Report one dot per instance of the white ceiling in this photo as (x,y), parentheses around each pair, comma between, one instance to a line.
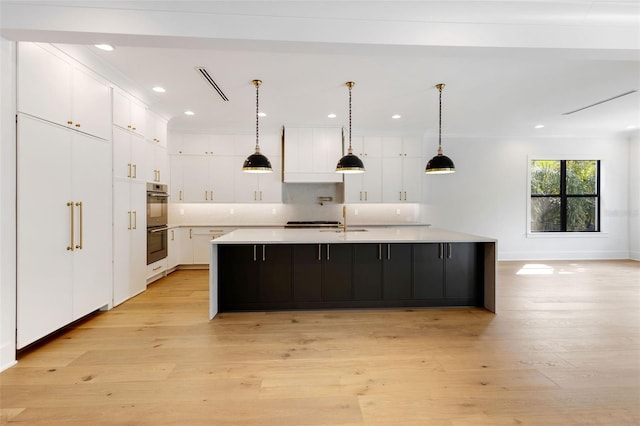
(507,65)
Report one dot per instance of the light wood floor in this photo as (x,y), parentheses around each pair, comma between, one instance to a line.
(564,349)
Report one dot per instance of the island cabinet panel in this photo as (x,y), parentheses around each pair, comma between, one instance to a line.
(448,273)
(238,276)
(367,272)
(275,273)
(307,273)
(336,276)
(397,280)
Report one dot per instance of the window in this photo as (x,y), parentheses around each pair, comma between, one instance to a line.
(565,196)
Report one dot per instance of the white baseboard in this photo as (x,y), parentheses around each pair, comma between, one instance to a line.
(7,356)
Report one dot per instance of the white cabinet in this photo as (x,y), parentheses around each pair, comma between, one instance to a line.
(129,239)
(402,169)
(202,144)
(128,112)
(311,154)
(259,187)
(185,246)
(157,160)
(173,247)
(208,178)
(55,88)
(195,244)
(176,185)
(156,129)
(129,155)
(64,248)
(365,187)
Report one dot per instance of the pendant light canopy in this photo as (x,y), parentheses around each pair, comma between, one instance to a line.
(350,163)
(257,162)
(440,164)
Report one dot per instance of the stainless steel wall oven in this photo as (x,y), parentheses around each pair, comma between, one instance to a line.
(157,217)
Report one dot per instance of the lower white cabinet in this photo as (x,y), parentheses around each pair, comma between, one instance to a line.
(130,239)
(64,252)
(156,268)
(173,247)
(195,243)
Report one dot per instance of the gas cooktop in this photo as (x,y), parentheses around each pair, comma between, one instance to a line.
(312,224)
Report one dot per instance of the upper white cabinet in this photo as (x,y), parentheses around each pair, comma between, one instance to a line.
(403,169)
(128,112)
(55,88)
(259,187)
(64,251)
(129,155)
(156,129)
(365,187)
(311,154)
(158,163)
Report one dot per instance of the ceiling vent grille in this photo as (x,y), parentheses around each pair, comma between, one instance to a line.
(601,102)
(205,74)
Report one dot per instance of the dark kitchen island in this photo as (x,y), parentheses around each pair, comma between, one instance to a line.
(390,267)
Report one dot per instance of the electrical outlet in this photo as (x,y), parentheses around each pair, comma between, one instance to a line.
(355,212)
(232,211)
(181,212)
(398,211)
(273,211)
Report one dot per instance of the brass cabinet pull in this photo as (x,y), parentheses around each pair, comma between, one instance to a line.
(129,175)
(129,220)
(366,195)
(255,196)
(260,195)
(71,236)
(206,195)
(157,267)
(405,195)
(135,171)
(135,219)
(190,233)
(180,195)
(360,195)
(400,195)
(211,196)
(77,124)
(129,126)
(69,122)
(173,236)
(79,205)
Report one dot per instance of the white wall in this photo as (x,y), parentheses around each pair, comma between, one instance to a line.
(8,204)
(634,195)
(488,196)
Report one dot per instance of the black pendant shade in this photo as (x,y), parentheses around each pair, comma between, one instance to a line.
(257,162)
(350,163)
(440,164)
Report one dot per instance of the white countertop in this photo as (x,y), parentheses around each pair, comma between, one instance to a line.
(400,234)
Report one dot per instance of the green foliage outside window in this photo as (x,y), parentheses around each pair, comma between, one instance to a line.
(565,195)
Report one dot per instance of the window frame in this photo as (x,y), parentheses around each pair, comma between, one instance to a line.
(564,197)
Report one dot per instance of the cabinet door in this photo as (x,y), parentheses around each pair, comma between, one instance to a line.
(44,258)
(46,96)
(275,273)
(173,247)
(428,271)
(307,272)
(246,186)
(270,184)
(367,271)
(412,176)
(461,272)
(354,186)
(201,246)
(161,162)
(138,238)
(195,174)
(392,179)
(176,186)
(396,271)
(138,117)
(91,104)
(122,224)
(186,246)
(372,180)
(222,171)
(238,275)
(337,284)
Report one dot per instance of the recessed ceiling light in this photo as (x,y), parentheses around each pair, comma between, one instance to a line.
(396,116)
(538,126)
(631,127)
(189,113)
(158,89)
(106,47)
(262,114)
(331,115)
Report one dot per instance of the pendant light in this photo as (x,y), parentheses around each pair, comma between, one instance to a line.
(440,164)
(350,163)
(256,162)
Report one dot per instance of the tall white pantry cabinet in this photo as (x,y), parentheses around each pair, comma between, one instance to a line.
(64,192)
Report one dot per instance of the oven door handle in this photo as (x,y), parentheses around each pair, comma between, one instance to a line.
(158,194)
(158,230)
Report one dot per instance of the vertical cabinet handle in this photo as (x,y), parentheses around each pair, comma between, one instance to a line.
(388,251)
(254,252)
(180,197)
(264,257)
(173,237)
(440,254)
(129,220)
(400,195)
(327,251)
(366,195)
(135,171)
(135,219)
(129,165)
(405,195)
(206,195)
(71,236)
(260,195)
(360,195)
(379,251)
(79,205)
(319,251)
(448,250)
(190,233)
